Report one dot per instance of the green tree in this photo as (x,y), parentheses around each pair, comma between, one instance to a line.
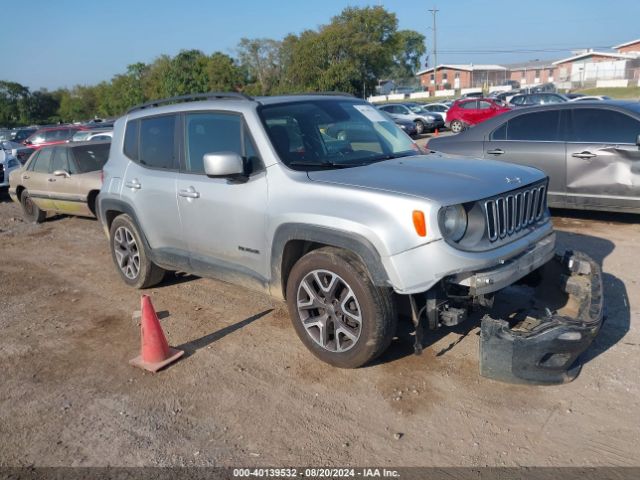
(14,103)
(224,74)
(409,48)
(188,73)
(261,59)
(154,84)
(350,54)
(43,108)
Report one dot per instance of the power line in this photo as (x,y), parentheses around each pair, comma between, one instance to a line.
(520,50)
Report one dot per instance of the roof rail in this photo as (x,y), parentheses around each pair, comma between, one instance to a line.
(192,97)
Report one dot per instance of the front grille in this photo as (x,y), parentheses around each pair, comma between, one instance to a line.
(509,213)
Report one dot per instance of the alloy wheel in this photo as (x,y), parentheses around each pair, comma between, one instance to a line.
(329,310)
(126,252)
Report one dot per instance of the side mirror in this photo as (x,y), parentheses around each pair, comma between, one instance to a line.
(223,164)
(61,173)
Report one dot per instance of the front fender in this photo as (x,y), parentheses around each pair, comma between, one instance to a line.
(350,241)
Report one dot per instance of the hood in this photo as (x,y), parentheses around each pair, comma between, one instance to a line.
(444,179)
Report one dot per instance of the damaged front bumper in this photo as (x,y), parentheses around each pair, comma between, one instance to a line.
(540,343)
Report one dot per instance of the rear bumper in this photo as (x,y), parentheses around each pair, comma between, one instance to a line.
(544,348)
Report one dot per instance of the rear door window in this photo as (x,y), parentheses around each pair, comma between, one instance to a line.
(157,142)
(599,125)
(43,162)
(535,126)
(59,160)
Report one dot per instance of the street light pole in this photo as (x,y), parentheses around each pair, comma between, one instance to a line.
(433,11)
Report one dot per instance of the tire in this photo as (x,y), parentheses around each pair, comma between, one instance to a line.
(130,255)
(347,293)
(30,211)
(420,127)
(456,126)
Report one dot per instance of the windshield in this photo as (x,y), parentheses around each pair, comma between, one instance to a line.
(333,133)
(81,135)
(417,109)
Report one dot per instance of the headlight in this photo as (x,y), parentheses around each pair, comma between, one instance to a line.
(431,118)
(453,220)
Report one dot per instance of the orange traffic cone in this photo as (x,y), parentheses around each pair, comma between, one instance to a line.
(155,352)
(435,132)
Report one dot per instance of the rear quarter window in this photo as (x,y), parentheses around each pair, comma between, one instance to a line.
(131,139)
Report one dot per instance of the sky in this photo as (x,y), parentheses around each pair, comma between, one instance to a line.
(63,43)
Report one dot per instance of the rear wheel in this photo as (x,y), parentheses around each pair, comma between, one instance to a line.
(419,127)
(131,256)
(336,310)
(457,126)
(30,211)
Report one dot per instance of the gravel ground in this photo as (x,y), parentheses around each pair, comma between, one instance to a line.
(248,393)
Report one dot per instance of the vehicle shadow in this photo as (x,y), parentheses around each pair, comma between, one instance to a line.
(176,278)
(4,195)
(191,347)
(616,310)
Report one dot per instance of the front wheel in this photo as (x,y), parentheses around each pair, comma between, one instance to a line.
(30,211)
(337,311)
(420,127)
(131,256)
(457,126)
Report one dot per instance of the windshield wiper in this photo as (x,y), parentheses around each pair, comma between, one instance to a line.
(323,164)
(391,156)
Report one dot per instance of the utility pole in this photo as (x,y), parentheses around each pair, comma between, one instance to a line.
(433,11)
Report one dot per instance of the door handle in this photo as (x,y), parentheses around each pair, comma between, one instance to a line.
(135,184)
(26,177)
(497,151)
(189,193)
(584,155)
(51,179)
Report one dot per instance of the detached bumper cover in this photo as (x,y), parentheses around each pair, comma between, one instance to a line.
(543,349)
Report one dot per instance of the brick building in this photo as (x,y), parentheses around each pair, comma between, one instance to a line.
(632,47)
(532,73)
(588,67)
(457,77)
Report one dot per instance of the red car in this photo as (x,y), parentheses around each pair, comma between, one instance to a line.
(469,112)
(52,136)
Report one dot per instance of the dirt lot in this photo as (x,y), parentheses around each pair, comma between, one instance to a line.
(248,392)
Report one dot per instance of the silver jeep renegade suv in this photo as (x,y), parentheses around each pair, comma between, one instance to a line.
(321,201)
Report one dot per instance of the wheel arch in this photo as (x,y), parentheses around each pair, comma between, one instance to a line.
(19,190)
(92,197)
(292,241)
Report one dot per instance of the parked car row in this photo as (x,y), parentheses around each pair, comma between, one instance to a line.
(425,119)
(327,205)
(22,142)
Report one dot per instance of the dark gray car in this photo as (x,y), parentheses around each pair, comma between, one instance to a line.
(589,151)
